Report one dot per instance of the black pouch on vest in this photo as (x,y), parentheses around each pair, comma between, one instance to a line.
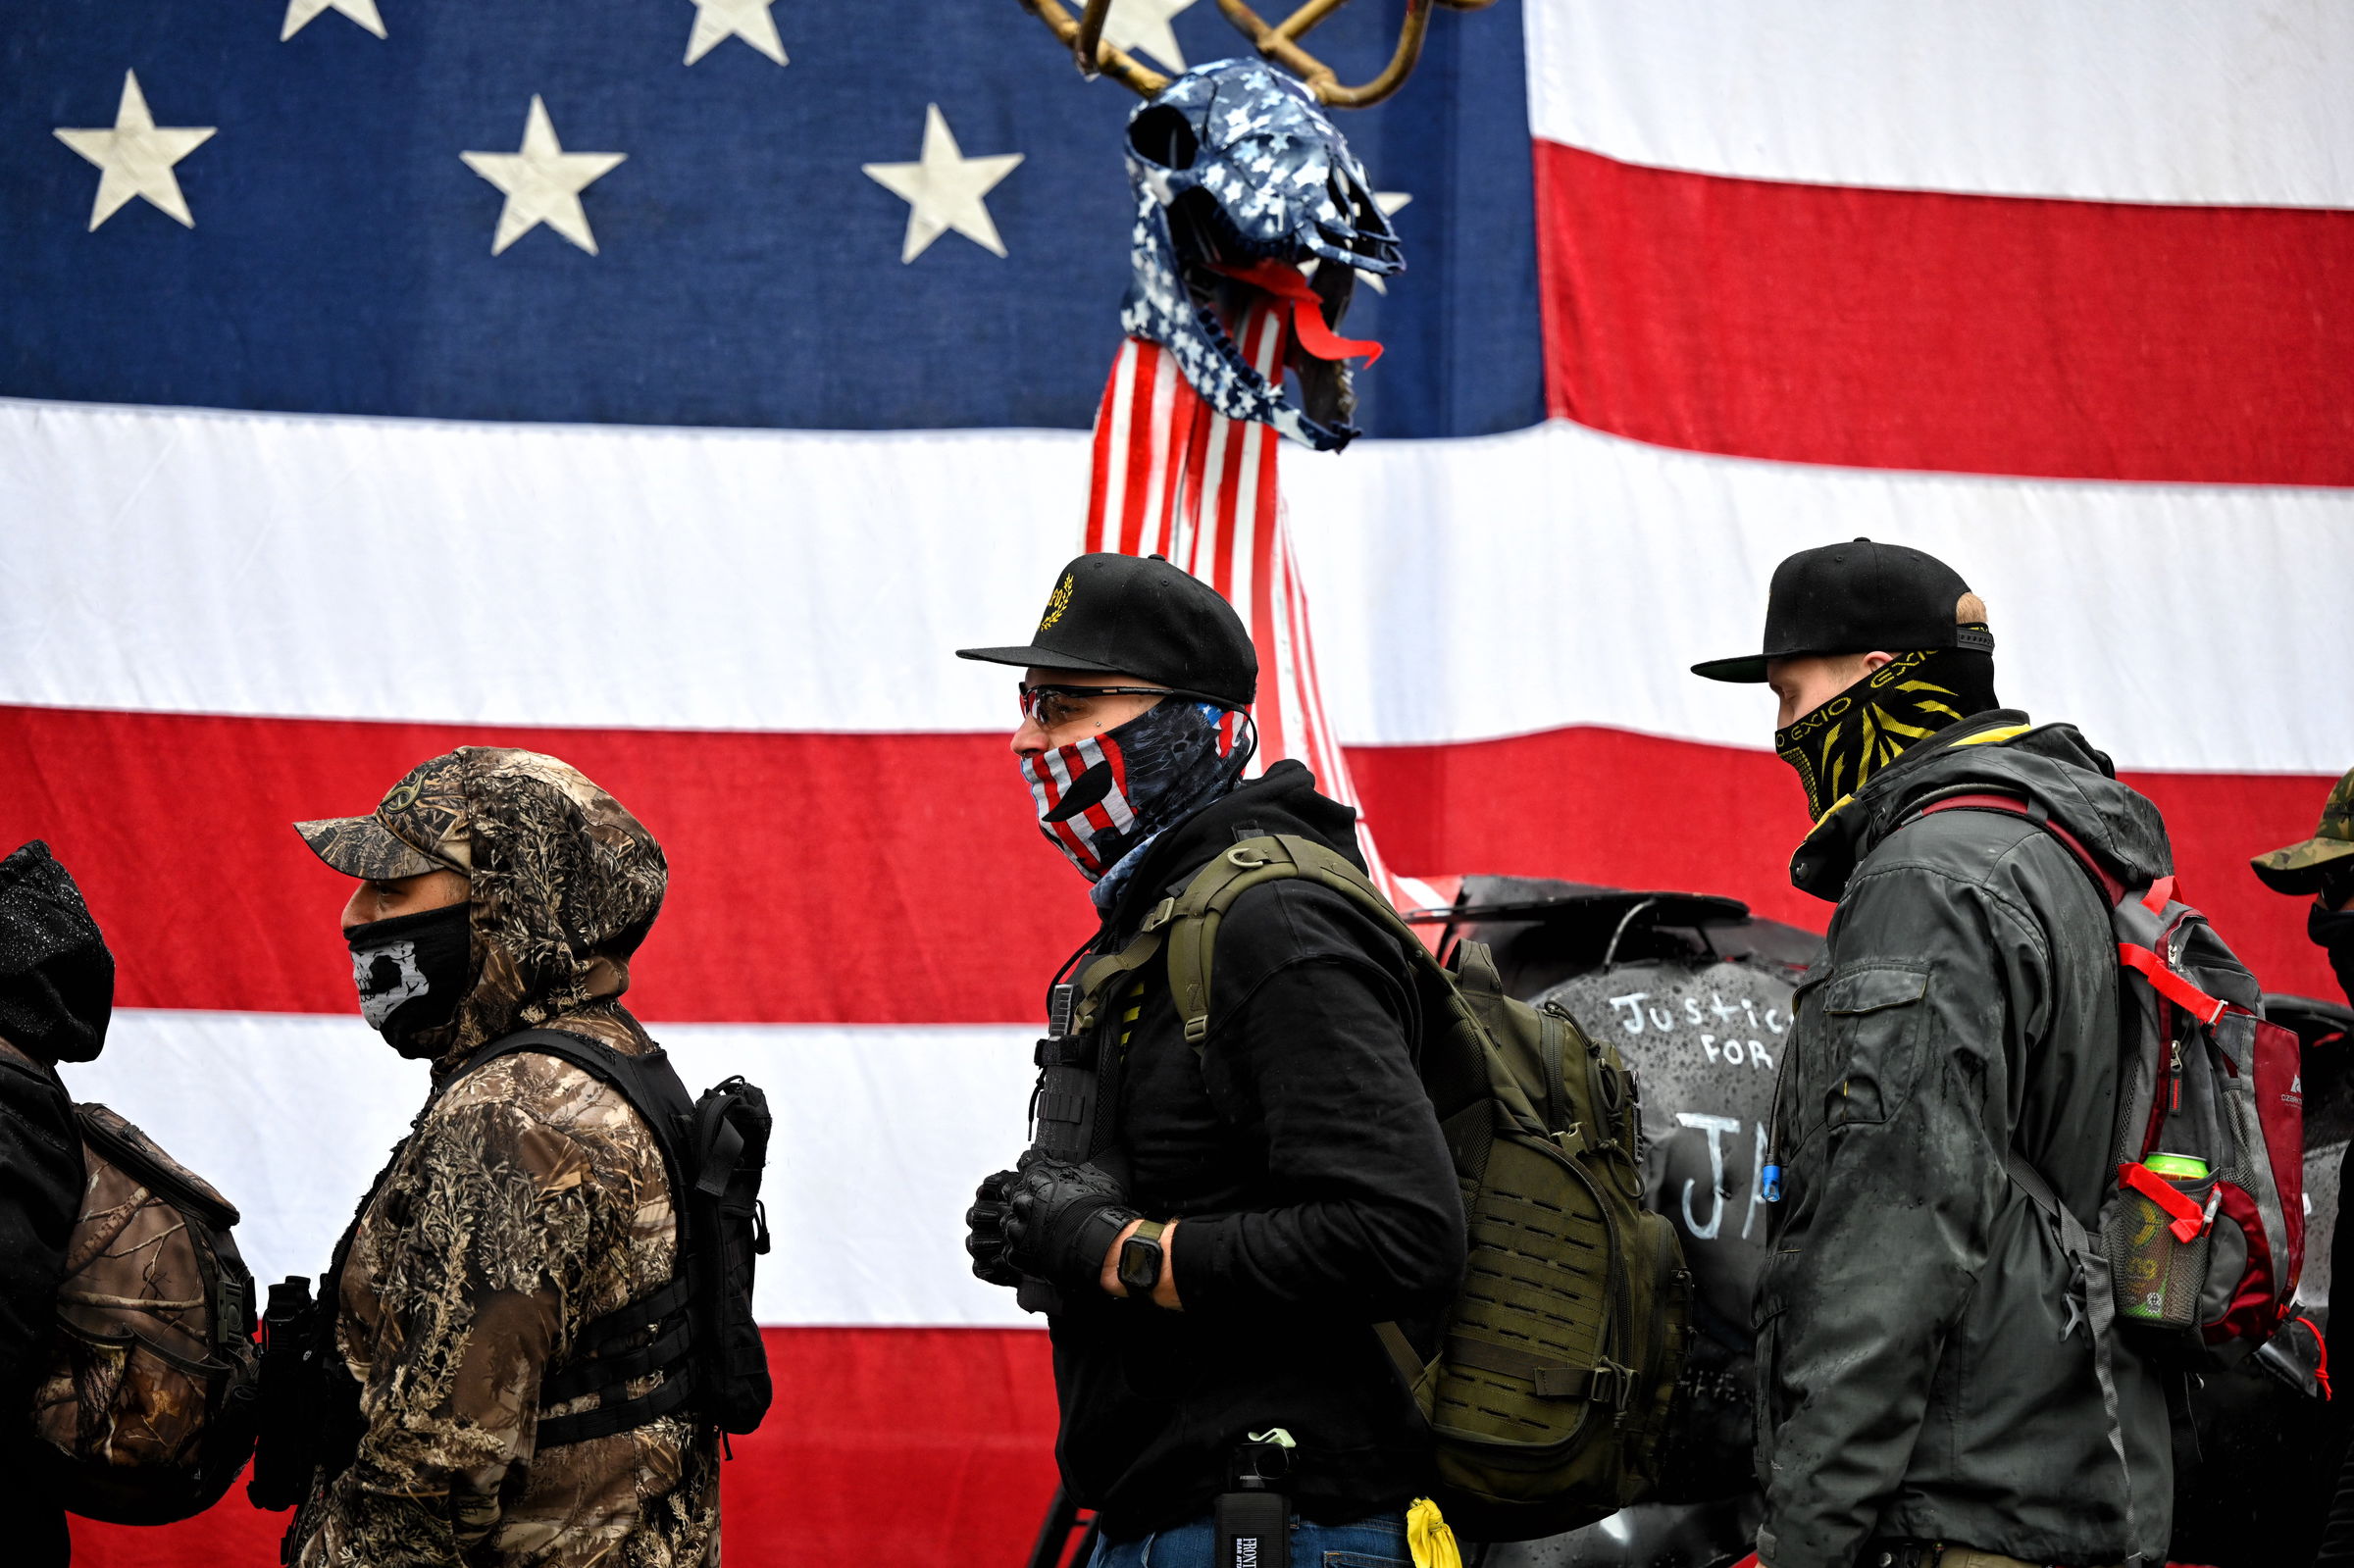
(284,1456)
(1253,1529)
(1254,1520)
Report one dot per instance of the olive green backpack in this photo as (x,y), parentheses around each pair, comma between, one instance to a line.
(1557,1357)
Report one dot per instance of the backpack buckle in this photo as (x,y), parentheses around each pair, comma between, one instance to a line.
(1162,913)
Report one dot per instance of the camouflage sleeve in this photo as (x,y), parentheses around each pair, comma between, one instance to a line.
(489,1230)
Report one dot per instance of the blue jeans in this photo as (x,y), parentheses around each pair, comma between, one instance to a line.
(1377,1541)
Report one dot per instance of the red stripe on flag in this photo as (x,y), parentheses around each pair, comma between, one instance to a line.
(852,878)
(900,879)
(884,1445)
(1906,329)
(1635,811)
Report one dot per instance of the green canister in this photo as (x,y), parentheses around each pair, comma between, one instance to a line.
(2160,1275)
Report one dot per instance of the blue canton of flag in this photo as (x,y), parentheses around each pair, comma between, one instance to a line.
(678,212)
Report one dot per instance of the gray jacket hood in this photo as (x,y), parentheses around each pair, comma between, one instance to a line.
(2002,752)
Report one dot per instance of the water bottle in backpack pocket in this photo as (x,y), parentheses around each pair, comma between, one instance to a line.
(2203,1230)
(2159,1261)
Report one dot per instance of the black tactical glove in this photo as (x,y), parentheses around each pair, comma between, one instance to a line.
(1061,1220)
(985,1231)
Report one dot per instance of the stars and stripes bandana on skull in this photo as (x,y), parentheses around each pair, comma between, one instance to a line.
(1101,798)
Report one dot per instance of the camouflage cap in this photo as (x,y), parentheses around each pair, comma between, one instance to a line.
(420,826)
(2299,867)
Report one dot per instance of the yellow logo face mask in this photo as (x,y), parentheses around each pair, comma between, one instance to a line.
(1840,745)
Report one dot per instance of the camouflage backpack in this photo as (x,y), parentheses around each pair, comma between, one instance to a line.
(146,1410)
(1559,1356)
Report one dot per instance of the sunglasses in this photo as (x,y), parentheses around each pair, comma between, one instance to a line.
(1050,706)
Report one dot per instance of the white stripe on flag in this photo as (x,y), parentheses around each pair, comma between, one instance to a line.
(2202,101)
(692,578)
(882,1132)
(1106,516)
(1501,586)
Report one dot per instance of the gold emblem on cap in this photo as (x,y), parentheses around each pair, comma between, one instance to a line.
(402,797)
(1057,602)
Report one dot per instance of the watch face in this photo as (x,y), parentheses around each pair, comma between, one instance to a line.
(1139,1263)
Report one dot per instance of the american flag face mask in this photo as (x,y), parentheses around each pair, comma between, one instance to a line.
(1099,798)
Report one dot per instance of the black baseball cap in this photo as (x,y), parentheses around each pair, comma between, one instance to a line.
(1856,597)
(1138,615)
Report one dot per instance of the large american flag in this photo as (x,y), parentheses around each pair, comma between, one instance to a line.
(671,385)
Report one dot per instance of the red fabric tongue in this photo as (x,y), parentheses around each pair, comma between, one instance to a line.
(1306,311)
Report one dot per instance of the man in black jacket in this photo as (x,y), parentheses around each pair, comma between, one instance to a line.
(57,995)
(1250,1204)
(1929,1387)
(2322,867)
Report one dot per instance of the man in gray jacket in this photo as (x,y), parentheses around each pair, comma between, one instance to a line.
(1927,1390)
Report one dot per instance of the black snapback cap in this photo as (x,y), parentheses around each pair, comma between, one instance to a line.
(1138,615)
(1856,597)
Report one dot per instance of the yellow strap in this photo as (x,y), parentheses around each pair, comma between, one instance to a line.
(1428,1539)
(1996,736)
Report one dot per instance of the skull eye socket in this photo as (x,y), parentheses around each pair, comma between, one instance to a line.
(1160,134)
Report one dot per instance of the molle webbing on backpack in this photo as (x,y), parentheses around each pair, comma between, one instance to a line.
(1558,1359)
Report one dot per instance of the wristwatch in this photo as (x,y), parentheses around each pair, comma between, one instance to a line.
(1141,1257)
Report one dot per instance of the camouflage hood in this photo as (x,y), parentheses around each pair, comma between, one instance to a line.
(565,884)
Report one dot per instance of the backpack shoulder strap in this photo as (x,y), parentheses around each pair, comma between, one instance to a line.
(1103,974)
(649,1082)
(607,1355)
(1195,914)
(2113,891)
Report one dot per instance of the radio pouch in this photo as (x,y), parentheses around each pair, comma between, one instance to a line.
(1253,1518)
(1254,1528)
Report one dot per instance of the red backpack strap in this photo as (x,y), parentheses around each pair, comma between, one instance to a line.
(2170,986)
(2014,806)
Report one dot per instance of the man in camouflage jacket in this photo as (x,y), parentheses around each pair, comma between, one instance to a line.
(530,1200)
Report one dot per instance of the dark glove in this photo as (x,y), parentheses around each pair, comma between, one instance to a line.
(1061,1220)
(985,1231)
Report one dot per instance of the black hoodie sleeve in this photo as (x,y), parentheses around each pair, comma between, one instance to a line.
(1310,1061)
(40,1193)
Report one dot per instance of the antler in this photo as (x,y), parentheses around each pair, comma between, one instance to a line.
(1279,43)
(1085,38)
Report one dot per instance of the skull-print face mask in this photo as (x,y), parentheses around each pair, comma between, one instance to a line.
(411,970)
